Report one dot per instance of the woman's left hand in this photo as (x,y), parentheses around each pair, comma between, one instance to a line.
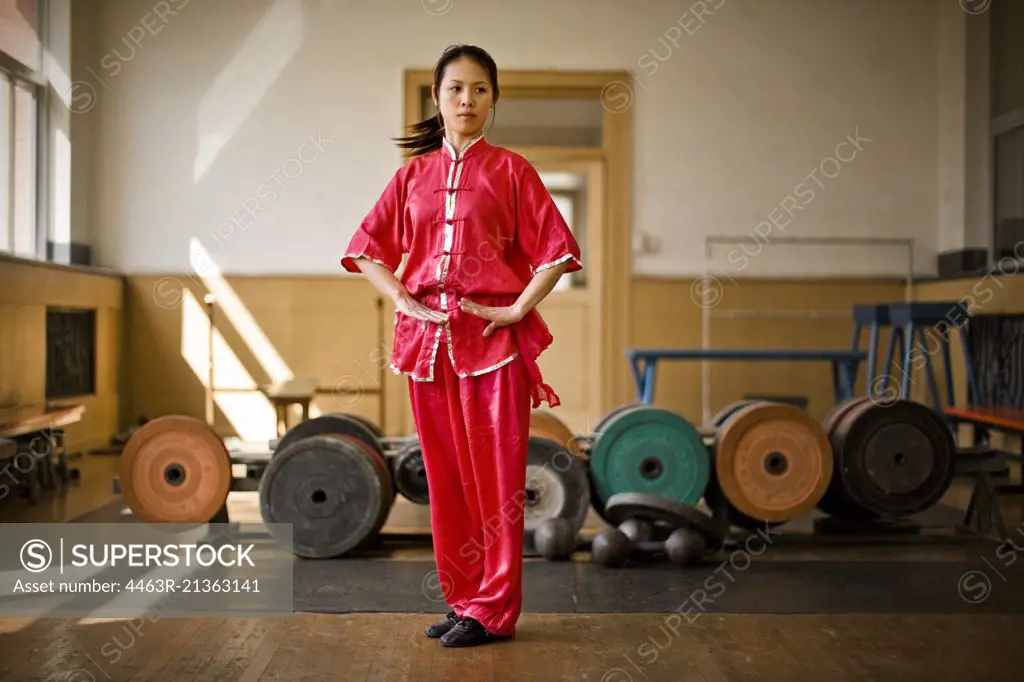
(499,317)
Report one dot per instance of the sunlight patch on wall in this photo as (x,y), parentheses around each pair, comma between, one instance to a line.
(246,79)
(246,408)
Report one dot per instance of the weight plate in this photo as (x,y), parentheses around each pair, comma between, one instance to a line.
(374,429)
(544,424)
(716,499)
(897,457)
(387,482)
(557,486)
(731,409)
(175,469)
(330,423)
(650,450)
(614,413)
(839,411)
(773,461)
(330,492)
(661,510)
(410,474)
(835,502)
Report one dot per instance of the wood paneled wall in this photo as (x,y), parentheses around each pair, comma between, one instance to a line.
(26,291)
(267,328)
(331,328)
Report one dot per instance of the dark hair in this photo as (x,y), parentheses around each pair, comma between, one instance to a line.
(426,136)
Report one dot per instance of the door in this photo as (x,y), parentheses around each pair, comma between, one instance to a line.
(573,310)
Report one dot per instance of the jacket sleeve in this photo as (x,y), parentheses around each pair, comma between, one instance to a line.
(541,232)
(379,236)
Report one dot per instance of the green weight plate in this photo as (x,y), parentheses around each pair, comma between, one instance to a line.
(647,449)
(614,413)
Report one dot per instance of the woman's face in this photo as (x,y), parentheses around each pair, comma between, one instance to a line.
(465,98)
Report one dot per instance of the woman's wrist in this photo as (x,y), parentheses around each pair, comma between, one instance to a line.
(521,309)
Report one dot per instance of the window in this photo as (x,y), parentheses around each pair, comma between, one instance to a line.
(1009,194)
(1007,126)
(20,94)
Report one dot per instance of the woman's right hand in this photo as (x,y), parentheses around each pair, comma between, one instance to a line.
(406,304)
(385,282)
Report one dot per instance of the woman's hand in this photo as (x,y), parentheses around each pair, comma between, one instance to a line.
(499,317)
(406,304)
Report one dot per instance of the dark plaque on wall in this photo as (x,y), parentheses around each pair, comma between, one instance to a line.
(70,352)
(997,351)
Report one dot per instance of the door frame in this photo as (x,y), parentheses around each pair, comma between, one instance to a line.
(592,168)
(615,151)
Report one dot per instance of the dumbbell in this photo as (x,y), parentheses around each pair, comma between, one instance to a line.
(613,547)
(555,539)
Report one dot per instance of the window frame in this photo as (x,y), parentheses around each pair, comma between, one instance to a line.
(35,81)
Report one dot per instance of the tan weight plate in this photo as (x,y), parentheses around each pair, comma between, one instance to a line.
(175,469)
(773,461)
(545,425)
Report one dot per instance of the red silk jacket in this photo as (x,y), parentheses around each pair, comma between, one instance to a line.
(479,226)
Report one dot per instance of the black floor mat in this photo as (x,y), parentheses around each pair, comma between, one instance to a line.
(766,587)
(728,583)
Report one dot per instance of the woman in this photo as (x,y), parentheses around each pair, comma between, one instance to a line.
(485,245)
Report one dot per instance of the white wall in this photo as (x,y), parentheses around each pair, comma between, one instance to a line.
(212,103)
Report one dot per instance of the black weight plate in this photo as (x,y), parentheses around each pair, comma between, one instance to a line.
(836,502)
(557,486)
(898,458)
(386,477)
(330,423)
(330,492)
(410,474)
(374,429)
(657,509)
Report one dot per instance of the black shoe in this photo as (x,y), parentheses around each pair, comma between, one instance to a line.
(469,632)
(442,627)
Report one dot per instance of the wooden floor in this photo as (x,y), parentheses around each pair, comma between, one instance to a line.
(604,648)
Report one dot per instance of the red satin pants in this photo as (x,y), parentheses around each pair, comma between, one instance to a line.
(474,433)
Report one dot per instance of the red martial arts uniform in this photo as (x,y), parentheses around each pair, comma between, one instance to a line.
(476,225)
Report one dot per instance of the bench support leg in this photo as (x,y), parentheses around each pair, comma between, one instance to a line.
(984,508)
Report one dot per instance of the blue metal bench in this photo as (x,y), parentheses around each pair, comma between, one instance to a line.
(644,364)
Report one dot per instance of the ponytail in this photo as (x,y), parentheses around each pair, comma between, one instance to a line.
(424,137)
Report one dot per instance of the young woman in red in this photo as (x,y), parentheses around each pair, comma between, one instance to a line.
(485,244)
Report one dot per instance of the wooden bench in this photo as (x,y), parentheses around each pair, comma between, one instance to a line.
(47,464)
(995,418)
(983,419)
(298,391)
(987,460)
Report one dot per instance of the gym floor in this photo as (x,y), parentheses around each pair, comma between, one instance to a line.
(809,617)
